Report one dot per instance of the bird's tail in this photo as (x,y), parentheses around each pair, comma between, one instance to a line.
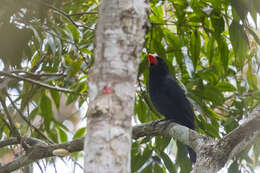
(192,154)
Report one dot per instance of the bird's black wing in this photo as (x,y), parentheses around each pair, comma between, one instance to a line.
(176,103)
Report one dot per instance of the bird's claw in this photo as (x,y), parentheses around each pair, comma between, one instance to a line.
(154,123)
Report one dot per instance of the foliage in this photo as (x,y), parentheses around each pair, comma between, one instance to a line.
(211,47)
(51,43)
(212,50)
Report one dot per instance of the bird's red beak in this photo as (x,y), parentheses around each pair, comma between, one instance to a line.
(152,59)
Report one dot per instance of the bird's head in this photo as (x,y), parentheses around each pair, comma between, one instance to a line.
(152,59)
(157,64)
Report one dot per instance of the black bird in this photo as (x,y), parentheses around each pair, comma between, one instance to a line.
(168,97)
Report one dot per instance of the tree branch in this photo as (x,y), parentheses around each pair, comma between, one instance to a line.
(168,128)
(212,155)
(13,141)
(3,73)
(42,150)
(38,150)
(238,139)
(37,75)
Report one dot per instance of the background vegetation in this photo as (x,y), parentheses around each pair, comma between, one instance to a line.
(211,46)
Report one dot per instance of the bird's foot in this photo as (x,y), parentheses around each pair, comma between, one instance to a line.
(154,123)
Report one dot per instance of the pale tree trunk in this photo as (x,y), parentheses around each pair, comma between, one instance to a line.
(119,39)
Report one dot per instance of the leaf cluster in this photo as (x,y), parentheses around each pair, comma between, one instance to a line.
(211,48)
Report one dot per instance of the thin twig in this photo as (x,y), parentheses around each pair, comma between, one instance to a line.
(67,16)
(70,42)
(38,164)
(13,141)
(3,73)
(83,13)
(27,121)
(5,122)
(13,129)
(36,74)
(35,67)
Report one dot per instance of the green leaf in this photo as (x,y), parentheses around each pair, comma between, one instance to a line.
(27,94)
(157,15)
(35,58)
(168,162)
(241,8)
(211,48)
(224,52)
(141,109)
(218,22)
(195,47)
(234,168)
(225,86)
(252,80)
(182,158)
(36,34)
(72,98)
(239,41)
(158,169)
(143,66)
(34,112)
(148,169)
(51,43)
(209,75)
(213,115)
(46,109)
(75,67)
(162,142)
(255,33)
(75,33)
(63,136)
(207,127)
(56,98)
(172,39)
(79,133)
(138,159)
(53,135)
(212,93)
(59,45)
(156,41)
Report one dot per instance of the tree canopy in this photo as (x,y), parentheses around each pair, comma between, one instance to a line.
(211,47)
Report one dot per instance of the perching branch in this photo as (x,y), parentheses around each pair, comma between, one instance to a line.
(171,129)
(43,150)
